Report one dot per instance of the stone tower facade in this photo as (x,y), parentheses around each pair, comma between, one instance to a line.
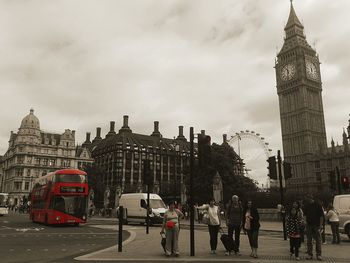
(299,90)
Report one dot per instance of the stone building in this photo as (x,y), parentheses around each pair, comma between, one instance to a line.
(328,160)
(299,89)
(121,156)
(32,153)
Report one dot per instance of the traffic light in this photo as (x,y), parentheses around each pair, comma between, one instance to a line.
(332,180)
(147,175)
(204,149)
(287,170)
(345,182)
(272,167)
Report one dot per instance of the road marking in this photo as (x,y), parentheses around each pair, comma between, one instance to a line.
(28,249)
(46,250)
(63,249)
(82,249)
(12,249)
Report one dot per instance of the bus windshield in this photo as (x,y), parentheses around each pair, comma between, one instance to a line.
(70,178)
(156,203)
(3,200)
(72,205)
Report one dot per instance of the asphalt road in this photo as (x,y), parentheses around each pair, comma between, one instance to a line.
(24,241)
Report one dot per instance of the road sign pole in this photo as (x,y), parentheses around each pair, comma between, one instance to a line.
(192,252)
(120,232)
(283,210)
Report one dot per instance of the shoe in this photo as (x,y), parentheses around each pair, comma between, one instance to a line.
(324,243)
(297,258)
(213,252)
(238,253)
(309,257)
(227,253)
(319,258)
(255,256)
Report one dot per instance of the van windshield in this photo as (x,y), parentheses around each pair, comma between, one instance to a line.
(154,203)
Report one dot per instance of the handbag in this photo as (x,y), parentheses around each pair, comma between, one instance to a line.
(163,241)
(206,219)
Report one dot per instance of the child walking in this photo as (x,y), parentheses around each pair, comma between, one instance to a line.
(294,225)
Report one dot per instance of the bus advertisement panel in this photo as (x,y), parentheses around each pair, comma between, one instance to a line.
(60,198)
(4,210)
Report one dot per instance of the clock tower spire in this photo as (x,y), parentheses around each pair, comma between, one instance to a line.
(299,90)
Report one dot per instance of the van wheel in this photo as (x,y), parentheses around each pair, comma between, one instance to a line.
(347,230)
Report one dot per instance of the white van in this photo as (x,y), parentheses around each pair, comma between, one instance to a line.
(135,208)
(342,204)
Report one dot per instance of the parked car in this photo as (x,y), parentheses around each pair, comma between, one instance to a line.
(342,204)
(135,208)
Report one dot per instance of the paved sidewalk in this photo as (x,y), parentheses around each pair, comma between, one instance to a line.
(146,248)
(273,226)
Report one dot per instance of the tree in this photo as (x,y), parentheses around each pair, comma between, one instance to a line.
(95,176)
(223,160)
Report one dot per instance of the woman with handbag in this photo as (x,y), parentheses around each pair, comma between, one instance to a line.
(251,226)
(172,228)
(212,219)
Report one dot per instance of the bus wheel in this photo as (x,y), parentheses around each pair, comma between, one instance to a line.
(46,220)
(76,224)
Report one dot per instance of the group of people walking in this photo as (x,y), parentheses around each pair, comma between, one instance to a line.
(309,220)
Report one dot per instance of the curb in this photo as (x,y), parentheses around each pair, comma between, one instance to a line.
(91,256)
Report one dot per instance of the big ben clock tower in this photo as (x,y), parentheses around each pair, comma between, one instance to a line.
(299,90)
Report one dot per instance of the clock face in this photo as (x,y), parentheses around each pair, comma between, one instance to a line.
(311,70)
(288,72)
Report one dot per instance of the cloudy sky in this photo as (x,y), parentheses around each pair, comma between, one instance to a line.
(202,63)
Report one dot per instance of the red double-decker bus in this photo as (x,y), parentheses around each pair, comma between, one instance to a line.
(60,197)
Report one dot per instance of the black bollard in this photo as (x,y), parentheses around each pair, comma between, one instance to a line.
(120,232)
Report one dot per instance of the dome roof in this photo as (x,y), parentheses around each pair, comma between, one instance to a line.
(30,121)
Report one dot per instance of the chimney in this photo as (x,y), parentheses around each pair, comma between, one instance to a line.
(156,129)
(98,136)
(73,133)
(98,132)
(224,138)
(112,126)
(125,127)
(202,132)
(87,140)
(111,129)
(181,134)
(88,137)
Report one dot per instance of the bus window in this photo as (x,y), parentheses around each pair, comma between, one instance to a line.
(70,178)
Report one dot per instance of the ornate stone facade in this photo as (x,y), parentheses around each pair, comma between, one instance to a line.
(33,153)
(328,160)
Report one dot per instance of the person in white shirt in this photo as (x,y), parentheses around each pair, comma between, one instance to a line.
(213,224)
(333,217)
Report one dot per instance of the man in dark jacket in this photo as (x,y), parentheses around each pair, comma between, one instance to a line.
(314,221)
(234,221)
